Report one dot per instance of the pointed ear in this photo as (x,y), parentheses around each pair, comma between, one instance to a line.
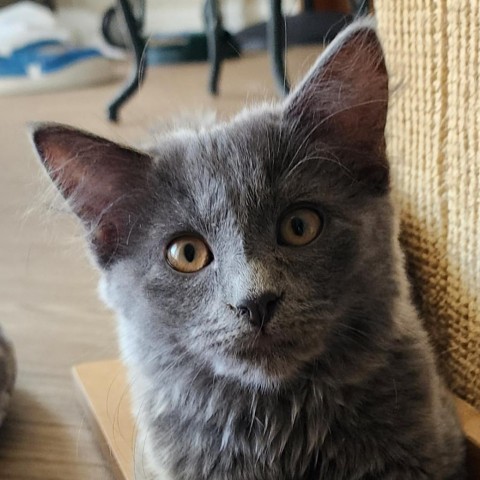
(343,100)
(104,183)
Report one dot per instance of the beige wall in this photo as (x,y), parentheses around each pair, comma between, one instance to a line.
(168,15)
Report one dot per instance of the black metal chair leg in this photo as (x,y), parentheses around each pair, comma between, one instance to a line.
(214,30)
(137,44)
(275,42)
(308,5)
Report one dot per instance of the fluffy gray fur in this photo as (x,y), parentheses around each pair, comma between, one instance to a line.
(341,384)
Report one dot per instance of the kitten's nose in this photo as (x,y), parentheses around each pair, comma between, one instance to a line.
(259,310)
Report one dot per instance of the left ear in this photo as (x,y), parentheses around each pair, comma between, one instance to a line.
(343,100)
(105,184)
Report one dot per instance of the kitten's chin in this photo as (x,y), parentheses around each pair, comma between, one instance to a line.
(263,374)
(263,361)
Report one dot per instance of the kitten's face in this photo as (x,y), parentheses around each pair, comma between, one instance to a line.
(240,192)
(244,249)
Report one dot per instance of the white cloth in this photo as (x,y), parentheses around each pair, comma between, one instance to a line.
(27,22)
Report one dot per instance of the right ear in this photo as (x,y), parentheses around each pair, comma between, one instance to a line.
(105,184)
(344,100)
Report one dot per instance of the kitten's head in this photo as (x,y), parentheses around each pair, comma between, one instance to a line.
(257,246)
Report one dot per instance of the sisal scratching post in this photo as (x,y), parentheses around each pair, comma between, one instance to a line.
(432,50)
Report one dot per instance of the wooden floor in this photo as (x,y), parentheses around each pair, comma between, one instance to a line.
(48,302)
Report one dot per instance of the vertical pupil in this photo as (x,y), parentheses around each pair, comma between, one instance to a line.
(189,252)
(298,226)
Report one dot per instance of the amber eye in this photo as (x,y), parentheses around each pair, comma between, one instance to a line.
(188,254)
(300,227)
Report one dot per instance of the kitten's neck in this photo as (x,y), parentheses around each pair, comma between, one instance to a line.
(297,418)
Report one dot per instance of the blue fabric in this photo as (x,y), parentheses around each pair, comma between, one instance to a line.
(48,55)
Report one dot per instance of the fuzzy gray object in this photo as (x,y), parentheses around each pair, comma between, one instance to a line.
(341,383)
(8,371)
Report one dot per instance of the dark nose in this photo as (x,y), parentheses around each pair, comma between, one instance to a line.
(259,310)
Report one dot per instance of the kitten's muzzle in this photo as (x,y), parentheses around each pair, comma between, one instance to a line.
(258,311)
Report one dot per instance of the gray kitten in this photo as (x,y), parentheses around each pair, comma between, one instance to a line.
(263,307)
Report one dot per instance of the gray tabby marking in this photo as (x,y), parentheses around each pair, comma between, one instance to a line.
(262,301)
